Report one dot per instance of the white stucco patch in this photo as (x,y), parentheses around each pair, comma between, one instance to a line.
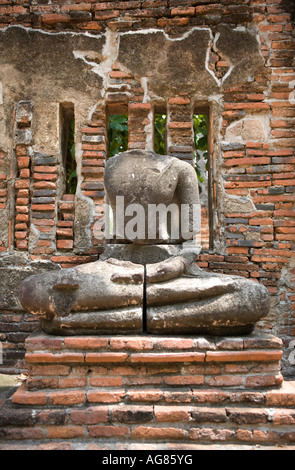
(254,128)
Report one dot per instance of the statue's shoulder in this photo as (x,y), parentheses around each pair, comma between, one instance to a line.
(143,160)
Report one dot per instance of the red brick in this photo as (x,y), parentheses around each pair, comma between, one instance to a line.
(247,416)
(43,342)
(184,380)
(23,183)
(178,100)
(170,414)
(49,370)
(64,432)
(183,11)
(85,342)
(38,384)
(180,125)
(90,415)
(153,433)
(241,356)
(108,431)
(208,414)
(149,396)
(105,357)
(168,357)
(53,18)
(224,381)
(45,169)
(281,417)
(20,433)
(43,207)
(72,382)
(44,185)
(20,235)
(260,381)
(105,381)
(211,434)
(66,397)
(23,162)
(131,414)
(54,358)
(174,343)
(98,396)
(280,398)
(140,106)
(23,397)
(65,244)
(131,343)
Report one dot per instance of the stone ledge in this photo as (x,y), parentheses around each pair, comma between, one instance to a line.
(256,340)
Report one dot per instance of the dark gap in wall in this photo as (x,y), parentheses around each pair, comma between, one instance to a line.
(160,134)
(67,124)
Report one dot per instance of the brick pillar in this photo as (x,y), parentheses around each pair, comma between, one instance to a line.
(94,153)
(44,207)
(139,126)
(22,151)
(180,141)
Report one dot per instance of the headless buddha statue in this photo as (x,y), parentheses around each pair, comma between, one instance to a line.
(147,279)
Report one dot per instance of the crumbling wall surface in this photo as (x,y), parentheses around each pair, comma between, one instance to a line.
(234,59)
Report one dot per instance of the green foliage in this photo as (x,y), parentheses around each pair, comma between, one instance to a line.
(160,134)
(117,134)
(201,142)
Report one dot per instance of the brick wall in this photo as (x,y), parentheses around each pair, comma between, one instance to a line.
(251,147)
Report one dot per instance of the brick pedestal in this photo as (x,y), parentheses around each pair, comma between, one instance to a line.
(135,392)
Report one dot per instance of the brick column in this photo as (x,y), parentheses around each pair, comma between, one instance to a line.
(22,151)
(180,137)
(138,125)
(94,153)
(44,208)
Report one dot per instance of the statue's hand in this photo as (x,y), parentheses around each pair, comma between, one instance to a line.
(165,270)
(127,272)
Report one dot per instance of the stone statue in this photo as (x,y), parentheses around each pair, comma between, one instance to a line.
(147,279)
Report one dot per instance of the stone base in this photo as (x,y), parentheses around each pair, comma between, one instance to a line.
(135,392)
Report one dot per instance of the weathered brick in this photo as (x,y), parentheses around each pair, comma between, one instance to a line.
(108,431)
(98,396)
(169,414)
(64,432)
(90,415)
(66,397)
(154,433)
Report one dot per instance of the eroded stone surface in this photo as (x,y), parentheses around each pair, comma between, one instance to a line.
(113,294)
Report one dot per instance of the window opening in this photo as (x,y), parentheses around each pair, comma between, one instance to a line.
(117,142)
(117,134)
(160,132)
(67,114)
(201,163)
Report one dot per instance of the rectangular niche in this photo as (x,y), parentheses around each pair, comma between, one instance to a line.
(117,129)
(67,136)
(202,164)
(160,131)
